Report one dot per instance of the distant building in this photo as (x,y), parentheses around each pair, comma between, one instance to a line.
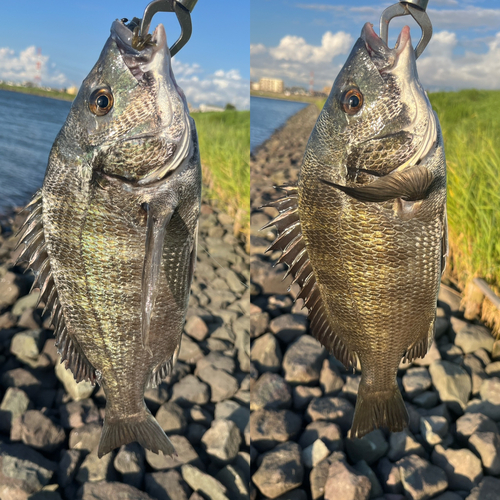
(326,90)
(271,85)
(205,108)
(254,86)
(73,90)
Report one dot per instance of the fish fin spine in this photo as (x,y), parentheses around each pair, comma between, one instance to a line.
(142,428)
(165,369)
(418,350)
(375,409)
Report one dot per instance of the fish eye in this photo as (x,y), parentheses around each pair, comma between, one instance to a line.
(352,101)
(101,101)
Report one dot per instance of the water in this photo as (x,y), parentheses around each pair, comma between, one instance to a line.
(28,126)
(267,115)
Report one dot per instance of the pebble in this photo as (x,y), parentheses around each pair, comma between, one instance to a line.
(222,441)
(94,469)
(302,395)
(78,413)
(81,390)
(474,337)
(402,444)
(288,327)
(14,403)
(196,328)
(487,489)
(167,485)
(103,490)
(39,432)
(346,483)
(490,393)
(190,351)
(189,390)
(336,410)
(487,446)
(27,345)
(270,391)
(266,354)
(204,483)
(493,369)
(416,381)
(234,481)
(433,429)
(222,385)
(271,427)
(469,423)
(231,410)
(129,462)
(9,290)
(453,384)
(85,437)
(330,381)
(171,418)
(186,454)
(364,469)
(258,323)
(369,448)
(26,302)
(319,475)
(280,470)
(314,454)
(328,432)
(303,360)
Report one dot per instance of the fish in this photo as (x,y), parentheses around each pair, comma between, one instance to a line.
(111,236)
(364,231)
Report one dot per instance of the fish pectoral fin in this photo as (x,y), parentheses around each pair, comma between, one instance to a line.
(411,184)
(157,222)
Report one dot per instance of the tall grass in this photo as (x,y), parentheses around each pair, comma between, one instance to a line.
(225,156)
(470,120)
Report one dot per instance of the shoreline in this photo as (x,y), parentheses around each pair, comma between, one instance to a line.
(44,93)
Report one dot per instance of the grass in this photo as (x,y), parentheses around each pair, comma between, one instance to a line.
(319,101)
(37,91)
(470,120)
(225,156)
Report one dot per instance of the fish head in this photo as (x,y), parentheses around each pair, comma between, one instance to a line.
(377,117)
(130,118)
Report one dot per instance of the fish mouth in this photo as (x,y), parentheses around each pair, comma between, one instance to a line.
(138,61)
(381,55)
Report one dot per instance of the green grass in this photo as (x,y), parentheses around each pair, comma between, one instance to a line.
(36,91)
(470,120)
(225,156)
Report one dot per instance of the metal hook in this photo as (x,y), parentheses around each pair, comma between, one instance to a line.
(414,8)
(182,9)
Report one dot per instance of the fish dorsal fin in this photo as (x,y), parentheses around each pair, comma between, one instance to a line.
(31,235)
(294,254)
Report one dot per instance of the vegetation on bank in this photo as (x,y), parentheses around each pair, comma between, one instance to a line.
(55,94)
(319,101)
(470,120)
(225,157)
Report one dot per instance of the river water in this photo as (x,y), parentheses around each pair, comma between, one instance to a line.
(267,115)
(28,126)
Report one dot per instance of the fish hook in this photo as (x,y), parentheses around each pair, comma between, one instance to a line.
(414,8)
(182,9)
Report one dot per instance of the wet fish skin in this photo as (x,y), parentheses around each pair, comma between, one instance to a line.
(112,234)
(364,233)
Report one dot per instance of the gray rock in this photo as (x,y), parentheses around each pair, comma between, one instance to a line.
(222,441)
(222,385)
(81,390)
(453,384)
(427,399)
(490,393)
(231,410)
(293,495)
(493,369)
(271,427)
(68,465)
(350,388)
(234,481)
(266,354)
(168,485)
(27,345)
(9,290)
(186,454)
(389,476)
(314,454)
(94,469)
(14,403)
(205,484)
(103,490)
(487,489)
(85,437)
(475,368)
(336,410)
(433,429)
(420,479)
(200,415)
(432,355)
(303,360)
(196,328)
(189,390)
(416,381)
(280,470)
(39,432)
(25,302)
(469,423)
(448,495)
(485,407)
(303,395)
(78,413)
(171,418)
(487,446)
(195,433)
(319,475)
(474,337)
(190,351)
(270,392)
(330,381)
(23,379)
(346,483)
(369,448)
(403,444)
(287,327)
(328,432)
(129,462)
(462,467)
(364,469)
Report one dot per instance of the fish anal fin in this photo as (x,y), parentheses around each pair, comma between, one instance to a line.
(421,346)
(410,184)
(294,254)
(164,369)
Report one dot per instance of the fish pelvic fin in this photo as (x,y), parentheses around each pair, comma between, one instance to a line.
(410,184)
(294,254)
(375,409)
(142,428)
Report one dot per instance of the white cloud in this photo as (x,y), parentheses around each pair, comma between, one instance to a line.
(24,67)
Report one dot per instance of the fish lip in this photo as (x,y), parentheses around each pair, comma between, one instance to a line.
(382,56)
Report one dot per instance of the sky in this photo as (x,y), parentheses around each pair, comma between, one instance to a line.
(291,38)
(213,68)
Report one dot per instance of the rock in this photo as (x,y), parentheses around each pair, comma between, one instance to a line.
(85,437)
(14,403)
(200,415)
(336,410)
(364,469)
(452,383)
(350,388)
(270,391)
(403,444)
(487,446)
(168,485)
(474,337)
(25,302)
(493,369)
(171,418)
(231,410)
(314,454)
(303,360)
(319,475)
(271,427)
(469,423)
(487,489)
(448,495)
(205,484)
(103,490)
(23,379)
(30,319)
(68,465)
(190,351)
(94,469)
(40,432)
(129,462)
(389,476)
(302,395)
(462,467)
(330,381)
(328,432)
(27,345)
(287,327)
(420,479)
(196,328)
(346,483)
(23,469)
(186,454)
(77,391)
(266,354)
(78,413)
(416,381)
(258,323)
(280,470)
(189,390)
(369,448)
(427,399)
(222,385)
(433,429)
(222,441)
(9,290)
(234,481)
(431,356)
(490,394)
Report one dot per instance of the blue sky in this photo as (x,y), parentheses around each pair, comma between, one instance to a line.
(291,38)
(212,68)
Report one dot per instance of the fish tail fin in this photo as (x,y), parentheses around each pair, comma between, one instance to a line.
(143,428)
(376,409)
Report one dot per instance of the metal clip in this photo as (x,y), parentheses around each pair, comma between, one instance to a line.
(414,8)
(182,9)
